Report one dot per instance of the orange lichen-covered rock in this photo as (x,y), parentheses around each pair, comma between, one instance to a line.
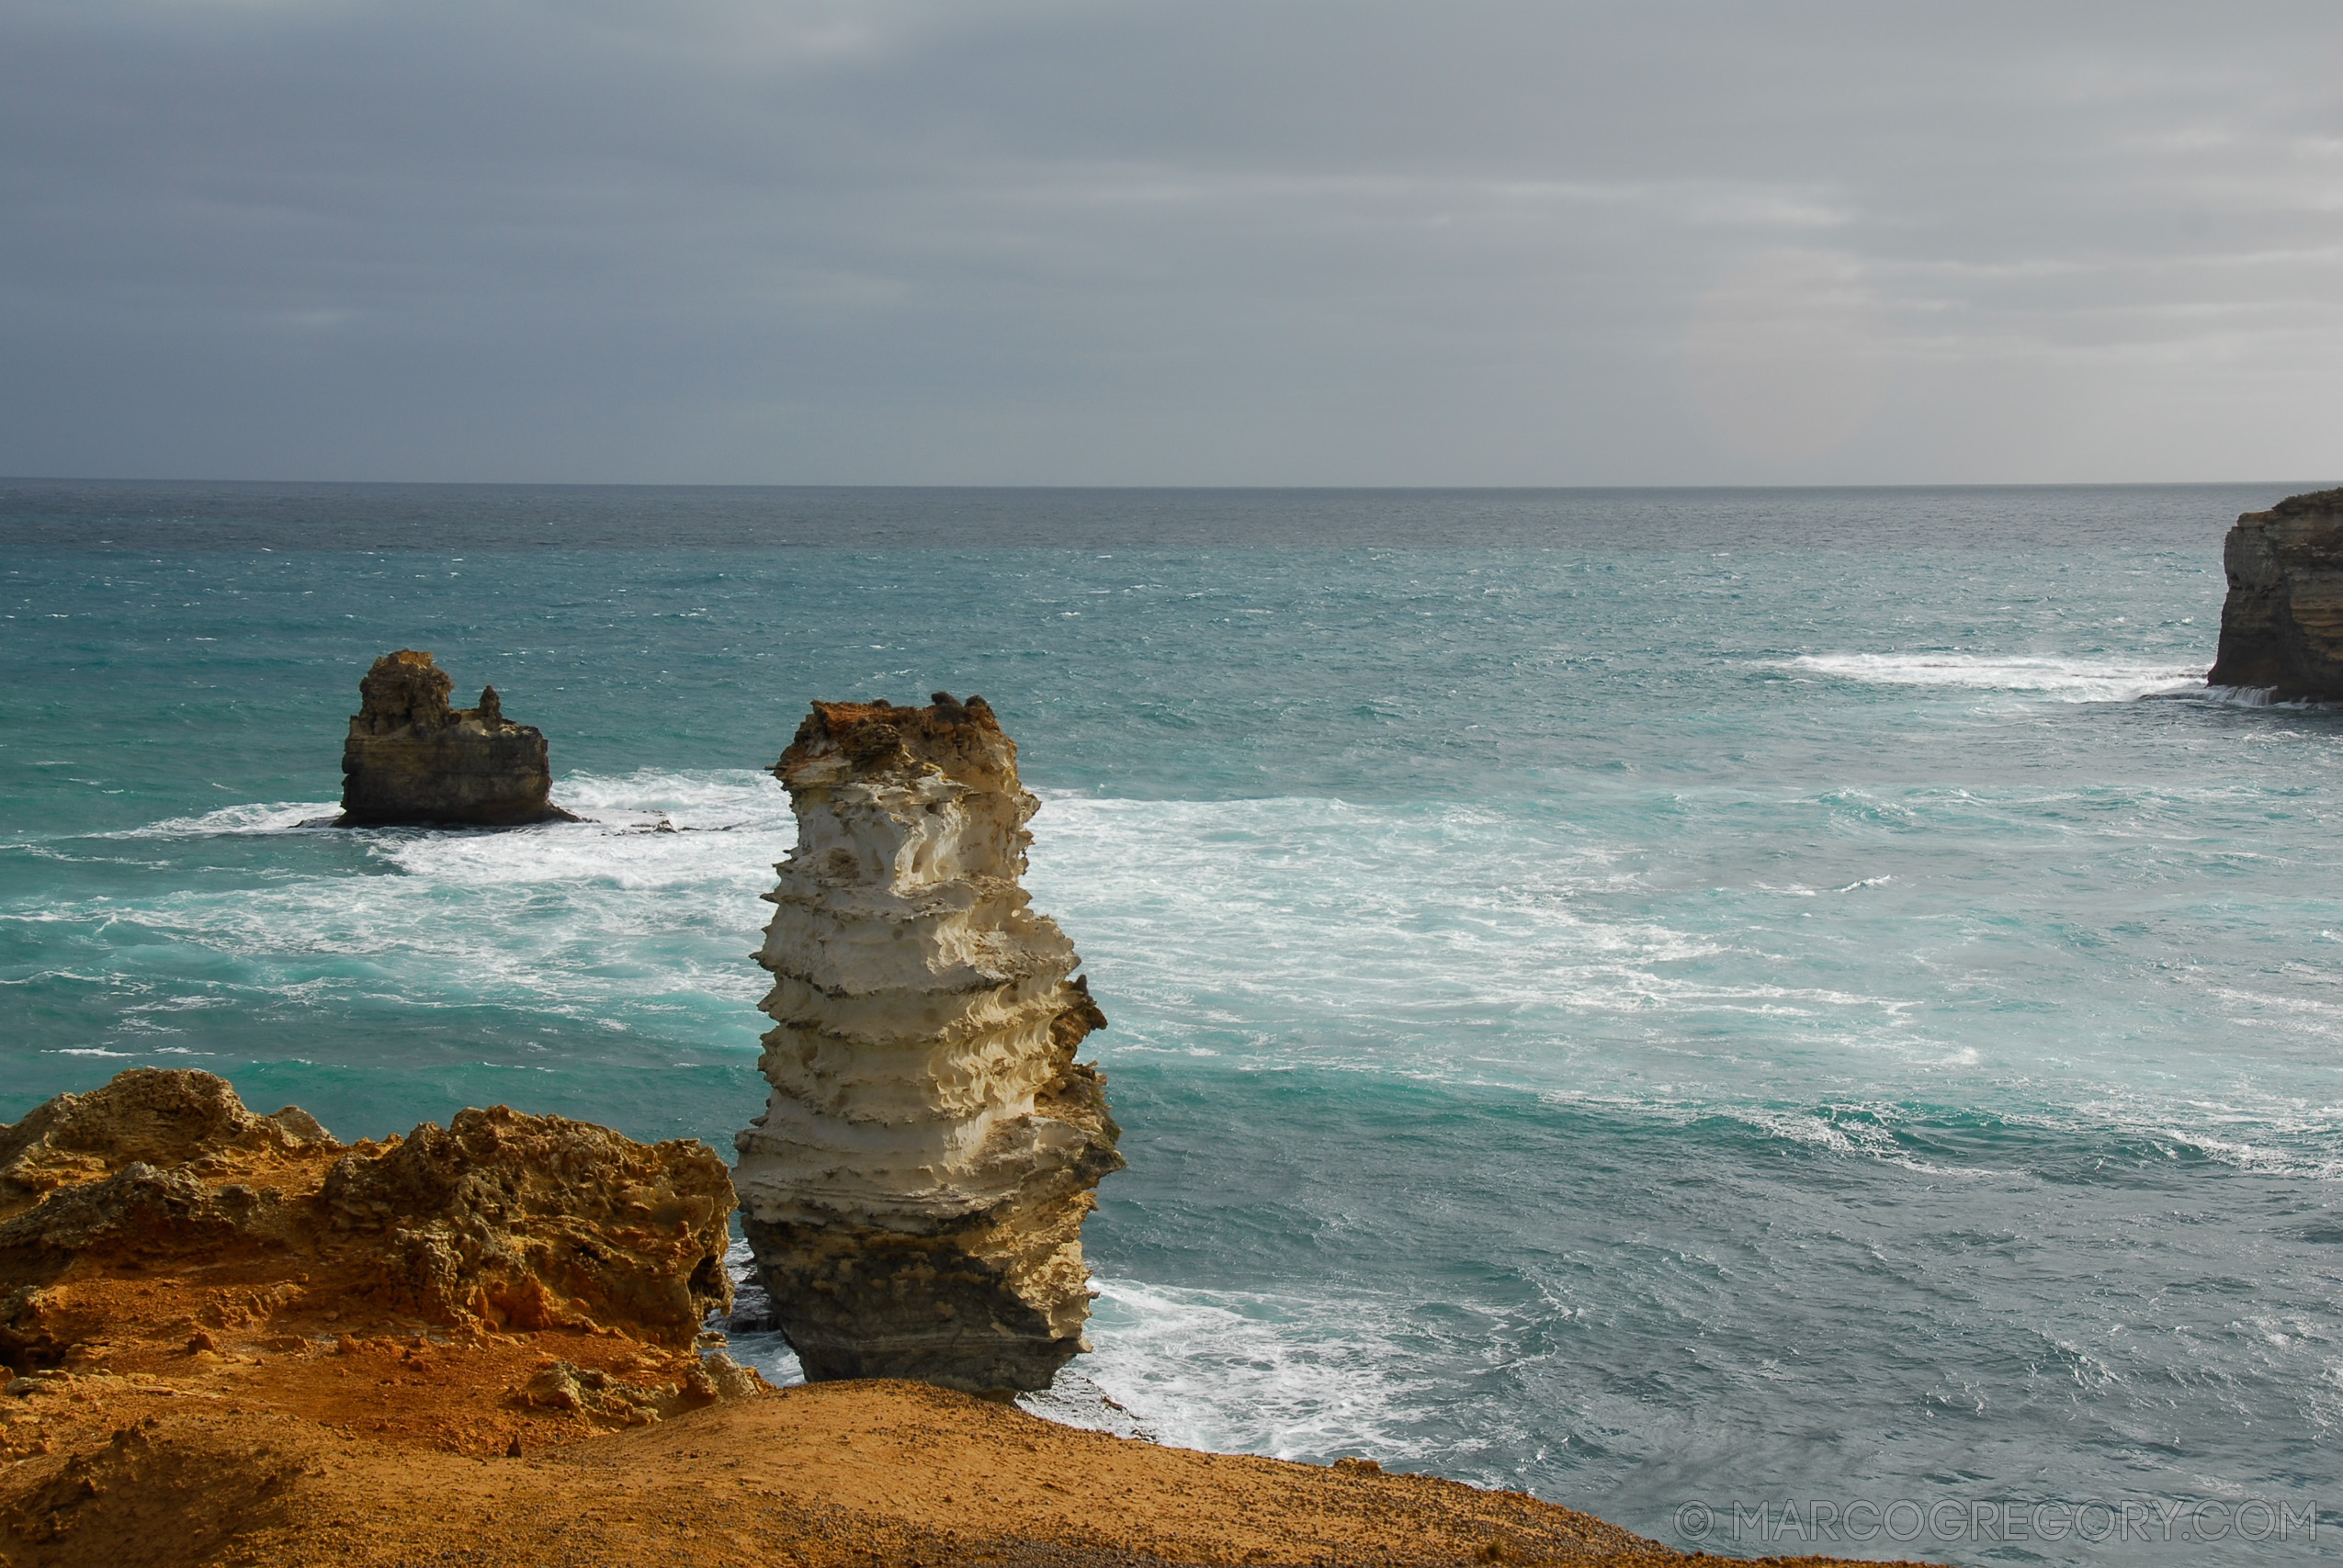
(498,1221)
(150,1118)
(538,1221)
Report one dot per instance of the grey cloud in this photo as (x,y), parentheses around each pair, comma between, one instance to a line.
(1201,243)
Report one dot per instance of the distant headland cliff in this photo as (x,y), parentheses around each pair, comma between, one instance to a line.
(2281,625)
(412,760)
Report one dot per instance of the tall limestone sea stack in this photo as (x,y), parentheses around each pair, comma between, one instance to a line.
(412,760)
(2281,625)
(914,1191)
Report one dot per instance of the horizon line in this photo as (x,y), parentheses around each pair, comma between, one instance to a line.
(27,480)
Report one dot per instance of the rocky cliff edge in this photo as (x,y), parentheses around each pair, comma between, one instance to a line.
(156,1219)
(2281,625)
(232,1339)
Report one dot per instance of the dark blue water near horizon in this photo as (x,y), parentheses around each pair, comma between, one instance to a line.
(1676,1000)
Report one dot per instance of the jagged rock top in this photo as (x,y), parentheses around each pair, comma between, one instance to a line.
(2306,505)
(150,1116)
(406,690)
(870,742)
(498,1222)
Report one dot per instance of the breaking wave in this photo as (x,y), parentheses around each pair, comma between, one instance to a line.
(2061,679)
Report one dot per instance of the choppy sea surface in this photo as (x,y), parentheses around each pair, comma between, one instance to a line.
(1689,1003)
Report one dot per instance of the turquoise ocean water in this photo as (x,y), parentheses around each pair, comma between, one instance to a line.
(1676,1001)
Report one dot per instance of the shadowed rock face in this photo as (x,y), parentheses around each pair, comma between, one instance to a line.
(914,1191)
(411,760)
(2281,625)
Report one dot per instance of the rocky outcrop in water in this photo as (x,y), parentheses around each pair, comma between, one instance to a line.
(164,1181)
(2281,625)
(915,1189)
(412,760)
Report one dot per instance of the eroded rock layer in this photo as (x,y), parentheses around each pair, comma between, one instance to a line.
(915,1189)
(2281,625)
(498,1222)
(412,760)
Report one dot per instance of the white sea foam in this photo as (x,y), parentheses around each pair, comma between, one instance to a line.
(1493,944)
(271,816)
(1413,938)
(1509,948)
(2063,679)
(763,1350)
(1229,1371)
(645,832)
(651,901)
(1245,1372)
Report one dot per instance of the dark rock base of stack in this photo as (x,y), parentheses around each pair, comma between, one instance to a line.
(962,1305)
(411,761)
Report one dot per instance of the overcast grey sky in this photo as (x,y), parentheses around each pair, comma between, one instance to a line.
(1280,241)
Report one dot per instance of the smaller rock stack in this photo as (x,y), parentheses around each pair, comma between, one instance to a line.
(412,760)
(914,1191)
(2281,625)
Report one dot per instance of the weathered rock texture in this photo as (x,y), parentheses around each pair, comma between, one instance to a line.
(411,759)
(914,1191)
(2281,625)
(497,1223)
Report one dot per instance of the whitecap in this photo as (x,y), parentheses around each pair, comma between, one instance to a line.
(271,816)
(577,919)
(2072,679)
(645,832)
(1256,1373)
